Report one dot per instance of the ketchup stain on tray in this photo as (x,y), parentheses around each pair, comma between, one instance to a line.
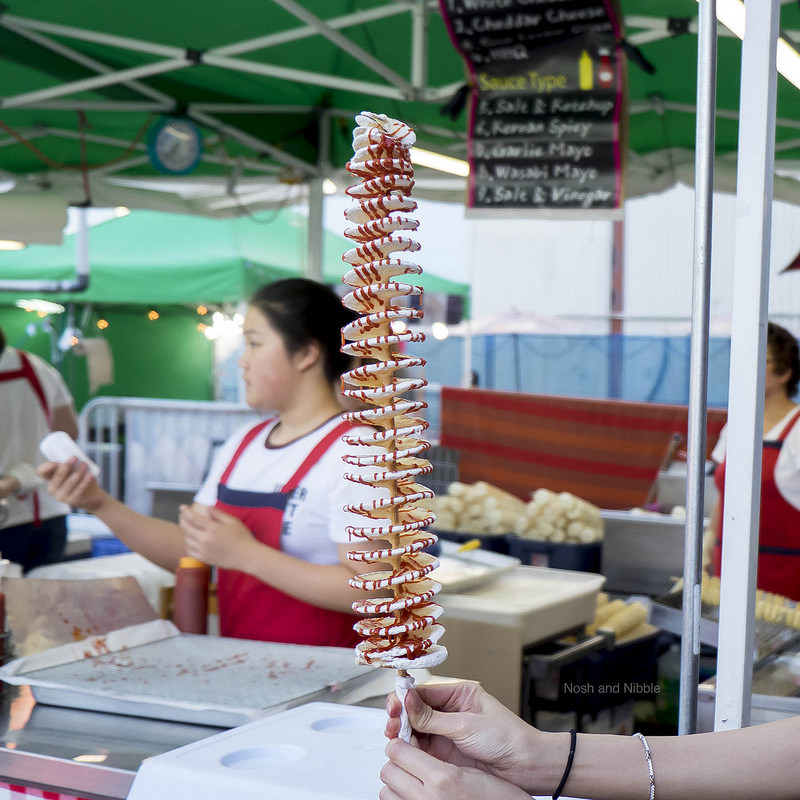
(237,658)
(230,675)
(100,647)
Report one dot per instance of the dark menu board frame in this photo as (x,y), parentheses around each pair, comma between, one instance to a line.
(547,108)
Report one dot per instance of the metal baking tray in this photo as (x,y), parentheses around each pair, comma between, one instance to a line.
(461,570)
(153,670)
(770,637)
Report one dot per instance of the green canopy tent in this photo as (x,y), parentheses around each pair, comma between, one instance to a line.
(153,257)
(170,263)
(273,86)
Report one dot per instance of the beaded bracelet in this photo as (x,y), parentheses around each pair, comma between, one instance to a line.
(573,738)
(649,758)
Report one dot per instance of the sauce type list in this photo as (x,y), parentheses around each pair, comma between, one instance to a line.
(544,128)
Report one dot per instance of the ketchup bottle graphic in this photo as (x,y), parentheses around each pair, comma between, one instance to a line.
(605,72)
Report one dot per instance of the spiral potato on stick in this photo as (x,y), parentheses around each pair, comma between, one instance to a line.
(400,630)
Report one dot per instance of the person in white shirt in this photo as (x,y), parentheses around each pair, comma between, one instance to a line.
(779,530)
(34,401)
(270,515)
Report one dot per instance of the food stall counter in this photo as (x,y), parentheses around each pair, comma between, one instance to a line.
(80,753)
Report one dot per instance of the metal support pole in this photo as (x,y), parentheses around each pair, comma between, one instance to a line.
(617,303)
(419,45)
(754,184)
(80,283)
(698,379)
(316,201)
(82,249)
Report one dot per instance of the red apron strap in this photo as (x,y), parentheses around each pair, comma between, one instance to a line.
(316,453)
(37,517)
(11,375)
(27,372)
(248,437)
(785,431)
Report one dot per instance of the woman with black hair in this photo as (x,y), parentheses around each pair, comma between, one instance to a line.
(779,531)
(270,514)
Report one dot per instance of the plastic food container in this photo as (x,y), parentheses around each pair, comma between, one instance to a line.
(316,750)
(495,542)
(557,555)
(539,602)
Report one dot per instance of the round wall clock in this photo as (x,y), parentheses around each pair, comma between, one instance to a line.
(175,145)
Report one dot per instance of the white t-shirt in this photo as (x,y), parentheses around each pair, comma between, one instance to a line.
(314,521)
(787,468)
(23,425)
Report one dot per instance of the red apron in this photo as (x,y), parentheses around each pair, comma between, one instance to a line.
(27,373)
(779,529)
(248,607)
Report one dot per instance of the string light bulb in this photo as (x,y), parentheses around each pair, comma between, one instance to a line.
(440,331)
(152,315)
(45,306)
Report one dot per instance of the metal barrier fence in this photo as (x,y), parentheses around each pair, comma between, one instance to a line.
(150,449)
(144,445)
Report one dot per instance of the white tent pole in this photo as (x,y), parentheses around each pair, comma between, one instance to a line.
(89,63)
(346,45)
(295,34)
(748,348)
(82,247)
(419,45)
(314,250)
(698,376)
(304,76)
(257,144)
(316,201)
(70,32)
(96,82)
(467,356)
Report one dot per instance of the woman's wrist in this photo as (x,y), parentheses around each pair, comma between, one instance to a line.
(545,761)
(249,556)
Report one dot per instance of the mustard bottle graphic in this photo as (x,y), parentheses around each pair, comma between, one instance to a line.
(585,72)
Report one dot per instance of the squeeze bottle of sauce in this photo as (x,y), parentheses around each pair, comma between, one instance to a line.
(191,595)
(585,72)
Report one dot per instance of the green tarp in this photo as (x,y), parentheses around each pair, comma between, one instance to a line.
(274,84)
(154,257)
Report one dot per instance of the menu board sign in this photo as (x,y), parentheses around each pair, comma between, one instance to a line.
(547,104)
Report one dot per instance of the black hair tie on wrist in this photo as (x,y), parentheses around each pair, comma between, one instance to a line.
(573,738)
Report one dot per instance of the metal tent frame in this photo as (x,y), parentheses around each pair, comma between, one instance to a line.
(755,185)
(748,348)
(230,57)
